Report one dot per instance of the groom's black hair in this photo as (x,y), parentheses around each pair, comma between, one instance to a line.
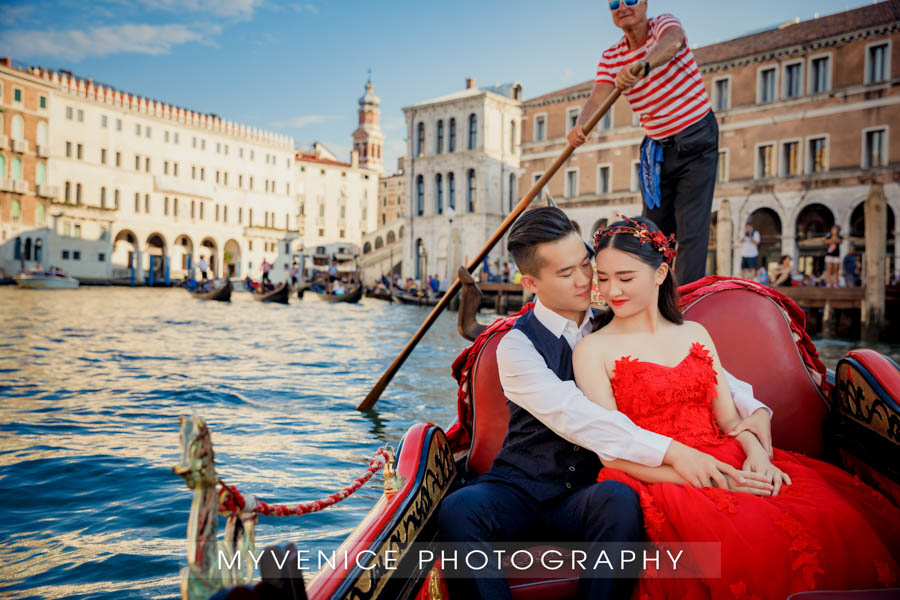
(536,226)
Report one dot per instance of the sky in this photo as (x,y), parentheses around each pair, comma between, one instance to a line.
(299,68)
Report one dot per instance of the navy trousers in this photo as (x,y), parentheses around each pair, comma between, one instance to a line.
(687,183)
(490,510)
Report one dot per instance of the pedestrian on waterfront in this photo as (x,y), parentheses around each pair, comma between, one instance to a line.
(850,265)
(833,241)
(762,275)
(784,277)
(749,252)
(680,152)
(266,267)
(203,267)
(506,272)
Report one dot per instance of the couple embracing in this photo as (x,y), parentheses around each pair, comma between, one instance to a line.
(624,427)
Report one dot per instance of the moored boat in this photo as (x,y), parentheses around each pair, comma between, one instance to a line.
(280,294)
(46,280)
(848,417)
(213,290)
(352,295)
(404,297)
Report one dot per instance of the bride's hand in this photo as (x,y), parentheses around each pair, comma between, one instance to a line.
(758,462)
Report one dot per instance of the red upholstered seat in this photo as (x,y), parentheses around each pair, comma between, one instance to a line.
(755,344)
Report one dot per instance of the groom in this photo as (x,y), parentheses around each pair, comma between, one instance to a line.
(544,476)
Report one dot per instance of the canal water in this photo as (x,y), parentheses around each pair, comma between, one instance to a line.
(92,382)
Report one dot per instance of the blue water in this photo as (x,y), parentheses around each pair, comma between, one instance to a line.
(92,382)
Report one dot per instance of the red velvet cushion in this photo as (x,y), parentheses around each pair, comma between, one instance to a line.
(755,344)
(490,416)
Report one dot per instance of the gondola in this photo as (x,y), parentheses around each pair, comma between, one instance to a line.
(849,418)
(281,294)
(404,297)
(222,292)
(352,296)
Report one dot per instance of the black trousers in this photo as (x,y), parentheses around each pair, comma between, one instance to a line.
(687,183)
(489,511)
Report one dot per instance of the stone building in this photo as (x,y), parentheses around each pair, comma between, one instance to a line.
(805,113)
(24,189)
(382,251)
(463,155)
(142,189)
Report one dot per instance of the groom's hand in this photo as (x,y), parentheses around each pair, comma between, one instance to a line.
(702,470)
(759,424)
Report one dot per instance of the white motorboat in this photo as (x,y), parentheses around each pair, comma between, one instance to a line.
(46,280)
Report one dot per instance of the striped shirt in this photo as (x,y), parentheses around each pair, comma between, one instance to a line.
(672,97)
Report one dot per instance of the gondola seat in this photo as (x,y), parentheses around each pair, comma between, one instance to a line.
(754,340)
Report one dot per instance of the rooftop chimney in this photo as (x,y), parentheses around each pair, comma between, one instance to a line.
(470,83)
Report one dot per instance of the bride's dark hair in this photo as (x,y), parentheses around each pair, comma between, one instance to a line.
(648,253)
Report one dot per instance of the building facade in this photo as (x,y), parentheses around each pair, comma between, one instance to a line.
(461,178)
(382,248)
(805,113)
(24,189)
(140,189)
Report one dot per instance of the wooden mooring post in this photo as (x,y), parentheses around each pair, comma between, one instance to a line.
(873,305)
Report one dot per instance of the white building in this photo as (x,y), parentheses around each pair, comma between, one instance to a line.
(464,154)
(143,183)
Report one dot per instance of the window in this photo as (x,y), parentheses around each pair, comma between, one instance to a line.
(177,140)
(877,62)
(420,139)
(137,162)
(68,149)
(66,231)
(512,191)
(722,167)
(793,80)
(175,207)
(80,152)
(470,190)
(80,116)
(603,179)
(439,193)
(137,129)
(165,167)
(540,128)
(420,196)
(118,124)
(147,164)
(42,101)
(78,194)
(69,112)
(722,93)
(451,139)
(790,158)
(473,131)
(40,173)
(512,137)
(147,131)
(175,169)
(202,206)
(765,161)
(102,197)
(451,191)
(137,202)
(103,155)
(818,155)
(104,121)
(819,74)
(874,148)
(635,175)
(218,147)
(68,192)
(76,254)
(536,177)
(101,257)
(147,204)
(166,136)
(571,183)
(439,147)
(766,85)
(116,197)
(16,168)
(118,159)
(194,209)
(572,117)
(17,95)
(18,127)
(607,121)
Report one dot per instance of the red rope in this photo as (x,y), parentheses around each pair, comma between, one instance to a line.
(232,501)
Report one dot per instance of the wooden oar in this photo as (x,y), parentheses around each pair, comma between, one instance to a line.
(376,392)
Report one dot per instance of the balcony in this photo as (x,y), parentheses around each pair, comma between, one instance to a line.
(20,146)
(43,150)
(45,190)
(181,185)
(4,142)
(7,185)
(20,186)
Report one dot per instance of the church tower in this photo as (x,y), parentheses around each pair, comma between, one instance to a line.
(368,139)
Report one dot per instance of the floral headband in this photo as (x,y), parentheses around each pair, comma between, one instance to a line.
(663,244)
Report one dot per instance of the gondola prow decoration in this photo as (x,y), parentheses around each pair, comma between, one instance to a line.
(376,392)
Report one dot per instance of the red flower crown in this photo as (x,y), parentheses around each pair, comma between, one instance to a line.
(663,244)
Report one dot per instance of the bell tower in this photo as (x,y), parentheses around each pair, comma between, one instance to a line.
(368,139)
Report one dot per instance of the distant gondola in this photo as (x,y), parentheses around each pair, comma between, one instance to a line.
(352,296)
(222,293)
(281,294)
(407,298)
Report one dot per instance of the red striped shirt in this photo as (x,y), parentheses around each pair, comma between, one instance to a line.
(672,97)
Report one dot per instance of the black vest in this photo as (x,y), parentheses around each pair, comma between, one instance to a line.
(534,458)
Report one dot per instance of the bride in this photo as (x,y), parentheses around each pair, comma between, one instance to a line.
(818,529)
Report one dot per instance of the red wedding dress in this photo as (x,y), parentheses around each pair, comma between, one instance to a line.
(826,531)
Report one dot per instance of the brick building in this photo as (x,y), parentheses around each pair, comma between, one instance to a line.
(805,113)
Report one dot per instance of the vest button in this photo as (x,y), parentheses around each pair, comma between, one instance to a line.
(575,448)
(571,468)
(568,485)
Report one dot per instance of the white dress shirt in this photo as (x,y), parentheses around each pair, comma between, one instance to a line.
(565,410)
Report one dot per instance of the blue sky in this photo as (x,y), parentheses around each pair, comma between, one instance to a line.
(299,67)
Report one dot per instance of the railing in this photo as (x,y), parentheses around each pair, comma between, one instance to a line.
(4,142)
(20,146)
(45,190)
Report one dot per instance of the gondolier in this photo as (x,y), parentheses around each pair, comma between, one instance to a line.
(680,152)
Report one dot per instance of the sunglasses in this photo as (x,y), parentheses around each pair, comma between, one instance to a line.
(614,4)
